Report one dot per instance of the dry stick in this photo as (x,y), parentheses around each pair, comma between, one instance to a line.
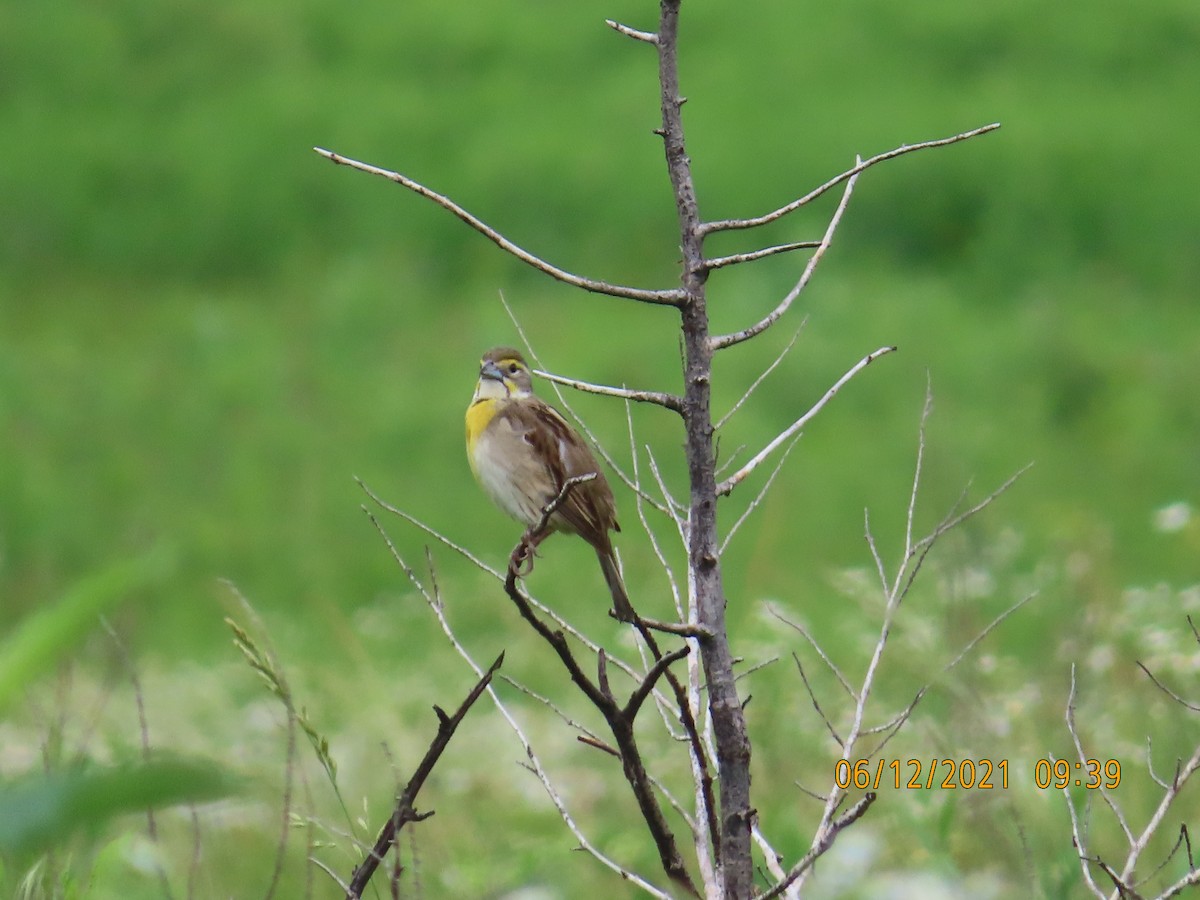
(720,262)
(1078,838)
(1137,844)
(891,728)
(727,486)
(641,512)
(845,682)
(664,298)
(646,37)
(1194,707)
(705,830)
(1192,879)
(404,811)
(759,380)
(658,398)
(817,704)
(622,728)
(761,496)
(701,772)
(852,815)
(728,340)
(734,224)
(620,720)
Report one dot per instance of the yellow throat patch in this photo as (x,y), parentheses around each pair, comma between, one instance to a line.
(479,414)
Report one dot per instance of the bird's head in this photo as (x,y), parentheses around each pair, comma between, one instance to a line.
(503,372)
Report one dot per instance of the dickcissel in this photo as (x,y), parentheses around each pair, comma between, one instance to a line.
(522,451)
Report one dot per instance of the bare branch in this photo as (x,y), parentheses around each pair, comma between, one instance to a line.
(1082,757)
(728,340)
(926,411)
(736,258)
(762,494)
(1191,879)
(1166,690)
(951,522)
(1139,845)
(672,505)
(534,764)
(816,704)
(658,398)
(432,532)
(862,166)
(772,857)
(988,629)
(726,486)
(759,380)
(641,512)
(586,735)
(663,298)
(892,728)
(404,811)
(656,671)
(646,37)
(824,842)
(845,682)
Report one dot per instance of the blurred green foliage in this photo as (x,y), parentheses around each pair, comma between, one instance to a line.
(206,330)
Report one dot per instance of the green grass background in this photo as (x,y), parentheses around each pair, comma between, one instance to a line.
(206,332)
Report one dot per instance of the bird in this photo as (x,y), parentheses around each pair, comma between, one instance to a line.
(522,452)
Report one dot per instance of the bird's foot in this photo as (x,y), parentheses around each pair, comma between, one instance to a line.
(521,560)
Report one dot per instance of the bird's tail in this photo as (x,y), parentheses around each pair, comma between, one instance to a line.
(616,586)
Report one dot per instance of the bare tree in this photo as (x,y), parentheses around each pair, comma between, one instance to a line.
(703,709)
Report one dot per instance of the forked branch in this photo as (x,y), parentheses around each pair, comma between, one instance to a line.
(620,718)
(404,811)
(728,340)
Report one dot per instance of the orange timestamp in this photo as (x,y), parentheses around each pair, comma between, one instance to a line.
(922,774)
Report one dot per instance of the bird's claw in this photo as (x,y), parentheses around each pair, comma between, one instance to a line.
(521,561)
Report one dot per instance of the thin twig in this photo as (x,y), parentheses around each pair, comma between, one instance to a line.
(759,380)
(466,554)
(734,224)
(659,554)
(658,398)
(728,340)
(666,297)
(736,258)
(852,815)
(726,486)
(842,679)
(762,494)
(1166,690)
(646,37)
(404,811)
(816,703)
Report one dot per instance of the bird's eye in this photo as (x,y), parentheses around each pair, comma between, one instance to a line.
(512,368)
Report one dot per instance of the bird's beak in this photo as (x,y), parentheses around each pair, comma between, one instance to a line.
(489,369)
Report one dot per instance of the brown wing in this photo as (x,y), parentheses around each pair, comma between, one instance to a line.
(589,510)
